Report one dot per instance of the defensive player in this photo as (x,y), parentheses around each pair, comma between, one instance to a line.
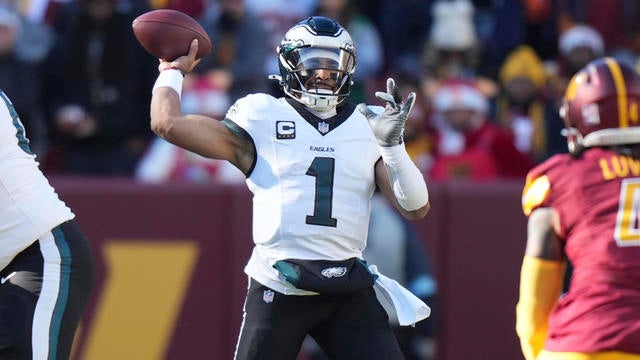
(312,162)
(46,264)
(584,207)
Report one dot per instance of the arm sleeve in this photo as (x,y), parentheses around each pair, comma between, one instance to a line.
(407,181)
(540,286)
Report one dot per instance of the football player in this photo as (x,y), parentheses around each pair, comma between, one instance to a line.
(583,207)
(312,161)
(46,264)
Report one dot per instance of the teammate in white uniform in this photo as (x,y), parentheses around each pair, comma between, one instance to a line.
(312,163)
(46,265)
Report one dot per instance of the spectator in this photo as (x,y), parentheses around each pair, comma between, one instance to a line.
(617,25)
(523,107)
(233,69)
(453,46)
(207,93)
(36,37)
(404,26)
(193,8)
(453,50)
(164,162)
(98,80)
(502,26)
(22,79)
(468,146)
(41,12)
(578,45)
(418,134)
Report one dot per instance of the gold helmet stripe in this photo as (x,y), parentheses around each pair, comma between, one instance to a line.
(621,89)
(570,93)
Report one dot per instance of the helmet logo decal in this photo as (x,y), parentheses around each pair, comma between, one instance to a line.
(290,44)
(591,114)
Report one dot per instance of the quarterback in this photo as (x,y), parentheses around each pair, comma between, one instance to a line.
(312,161)
(46,264)
(583,208)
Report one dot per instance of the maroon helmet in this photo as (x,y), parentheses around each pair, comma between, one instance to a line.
(600,106)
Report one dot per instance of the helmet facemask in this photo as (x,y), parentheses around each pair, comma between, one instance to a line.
(318,77)
(573,135)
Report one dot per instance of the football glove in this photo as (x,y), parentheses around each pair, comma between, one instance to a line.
(387,126)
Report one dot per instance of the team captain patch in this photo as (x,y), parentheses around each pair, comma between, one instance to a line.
(285,130)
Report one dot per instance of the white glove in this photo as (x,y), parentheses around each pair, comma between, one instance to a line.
(387,127)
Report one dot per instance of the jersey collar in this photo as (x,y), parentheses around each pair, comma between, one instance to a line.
(323,126)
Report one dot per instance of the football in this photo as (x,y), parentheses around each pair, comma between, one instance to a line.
(167,34)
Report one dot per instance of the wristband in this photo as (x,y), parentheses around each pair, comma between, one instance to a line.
(407,181)
(171,78)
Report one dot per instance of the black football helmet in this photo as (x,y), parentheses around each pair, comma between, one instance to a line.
(317,59)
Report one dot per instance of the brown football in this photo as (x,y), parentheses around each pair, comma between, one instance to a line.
(167,34)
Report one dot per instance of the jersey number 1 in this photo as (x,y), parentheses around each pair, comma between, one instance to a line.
(322,168)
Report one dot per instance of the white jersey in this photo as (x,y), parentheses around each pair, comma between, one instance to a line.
(29,206)
(312,184)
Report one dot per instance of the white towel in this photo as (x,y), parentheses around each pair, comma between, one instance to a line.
(402,306)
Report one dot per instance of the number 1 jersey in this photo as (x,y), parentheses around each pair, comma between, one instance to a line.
(312,183)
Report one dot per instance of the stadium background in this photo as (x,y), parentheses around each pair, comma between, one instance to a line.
(170,258)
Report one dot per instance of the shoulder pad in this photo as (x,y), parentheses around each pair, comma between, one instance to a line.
(535,192)
(248,105)
(538,185)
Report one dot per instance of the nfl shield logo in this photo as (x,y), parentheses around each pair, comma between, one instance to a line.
(323,127)
(267,296)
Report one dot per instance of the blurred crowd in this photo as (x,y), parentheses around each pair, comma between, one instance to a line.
(489,76)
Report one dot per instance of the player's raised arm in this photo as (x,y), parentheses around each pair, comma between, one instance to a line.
(201,134)
(401,183)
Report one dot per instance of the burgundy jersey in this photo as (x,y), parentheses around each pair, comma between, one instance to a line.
(597,197)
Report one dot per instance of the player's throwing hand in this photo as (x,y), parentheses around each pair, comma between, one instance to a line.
(184,63)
